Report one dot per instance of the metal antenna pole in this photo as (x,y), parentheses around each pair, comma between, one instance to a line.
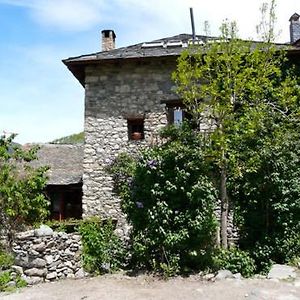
(193,23)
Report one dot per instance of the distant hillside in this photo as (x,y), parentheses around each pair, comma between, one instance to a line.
(77,138)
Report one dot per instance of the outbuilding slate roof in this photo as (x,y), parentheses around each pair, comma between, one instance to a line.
(65,162)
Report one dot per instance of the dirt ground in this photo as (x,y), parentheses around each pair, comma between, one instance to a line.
(122,287)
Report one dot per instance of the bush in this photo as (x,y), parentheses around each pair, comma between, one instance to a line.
(169,200)
(22,201)
(6,260)
(103,251)
(268,203)
(5,279)
(234,260)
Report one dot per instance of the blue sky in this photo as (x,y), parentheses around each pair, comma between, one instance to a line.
(40,99)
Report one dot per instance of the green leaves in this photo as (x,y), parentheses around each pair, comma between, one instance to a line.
(103,251)
(21,188)
(169,203)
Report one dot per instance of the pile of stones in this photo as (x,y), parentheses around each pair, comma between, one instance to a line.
(45,255)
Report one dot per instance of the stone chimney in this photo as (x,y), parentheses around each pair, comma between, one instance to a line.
(294,27)
(108,40)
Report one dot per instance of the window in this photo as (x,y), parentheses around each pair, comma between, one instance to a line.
(177,114)
(135,129)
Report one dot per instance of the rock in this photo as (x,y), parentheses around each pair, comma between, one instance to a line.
(50,244)
(11,284)
(51,276)
(44,230)
(54,265)
(223,274)
(22,261)
(70,275)
(237,276)
(36,272)
(39,247)
(76,237)
(33,252)
(25,235)
(18,269)
(69,253)
(63,235)
(80,273)
(49,259)
(38,263)
(69,265)
(282,272)
(33,280)
(209,276)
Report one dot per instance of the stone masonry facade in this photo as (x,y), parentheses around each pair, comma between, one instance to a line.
(116,92)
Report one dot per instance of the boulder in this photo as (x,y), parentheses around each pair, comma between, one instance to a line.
(35,272)
(33,280)
(49,259)
(51,276)
(80,273)
(223,274)
(25,235)
(22,261)
(38,263)
(39,247)
(209,276)
(17,269)
(44,230)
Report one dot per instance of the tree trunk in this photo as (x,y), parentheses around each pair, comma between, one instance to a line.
(224,208)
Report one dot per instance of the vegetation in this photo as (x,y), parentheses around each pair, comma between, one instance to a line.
(8,281)
(242,91)
(22,200)
(77,138)
(170,203)
(6,260)
(103,251)
(234,260)
(247,94)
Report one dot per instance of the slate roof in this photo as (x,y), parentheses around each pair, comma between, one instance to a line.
(65,162)
(165,47)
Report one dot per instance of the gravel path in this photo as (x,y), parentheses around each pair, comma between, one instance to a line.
(121,287)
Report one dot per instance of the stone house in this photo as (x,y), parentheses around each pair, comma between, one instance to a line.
(129,96)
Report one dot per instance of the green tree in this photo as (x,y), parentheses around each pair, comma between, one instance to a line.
(242,94)
(22,200)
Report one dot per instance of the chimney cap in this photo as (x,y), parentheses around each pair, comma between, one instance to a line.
(294,17)
(106,33)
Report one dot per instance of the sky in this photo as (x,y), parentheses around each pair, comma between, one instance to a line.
(41,100)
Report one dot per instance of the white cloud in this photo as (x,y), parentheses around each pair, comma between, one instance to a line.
(64,14)
(159,16)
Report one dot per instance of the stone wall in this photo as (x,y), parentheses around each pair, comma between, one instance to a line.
(44,255)
(115,92)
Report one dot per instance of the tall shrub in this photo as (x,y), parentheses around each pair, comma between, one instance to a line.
(22,201)
(169,200)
